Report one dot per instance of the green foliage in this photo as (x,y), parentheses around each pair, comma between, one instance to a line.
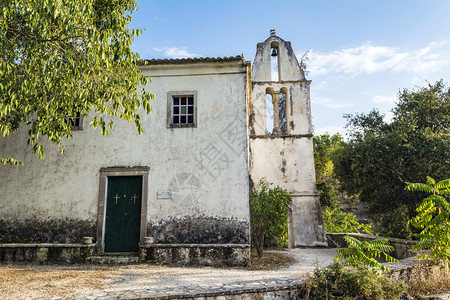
(396,222)
(269,210)
(61,57)
(337,221)
(433,218)
(338,282)
(327,184)
(381,156)
(362,254)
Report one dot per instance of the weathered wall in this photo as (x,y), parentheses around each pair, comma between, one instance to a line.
(206,167)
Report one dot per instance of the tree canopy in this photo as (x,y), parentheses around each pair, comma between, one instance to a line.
(63,57)
(380,156)
(327,185)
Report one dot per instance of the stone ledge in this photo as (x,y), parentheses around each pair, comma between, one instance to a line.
(46,253)
(194,245)
(45,245)
(216,255)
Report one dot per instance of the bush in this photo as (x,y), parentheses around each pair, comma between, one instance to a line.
(269,211)
(338,282)
(337,221)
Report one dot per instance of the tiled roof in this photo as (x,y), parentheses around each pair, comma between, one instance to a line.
(167,61)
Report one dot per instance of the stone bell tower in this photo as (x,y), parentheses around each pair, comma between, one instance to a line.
(280,132)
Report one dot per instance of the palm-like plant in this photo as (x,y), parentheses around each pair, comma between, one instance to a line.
(433,217)
(362,254)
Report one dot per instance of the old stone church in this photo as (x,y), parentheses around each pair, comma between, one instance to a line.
(185,181)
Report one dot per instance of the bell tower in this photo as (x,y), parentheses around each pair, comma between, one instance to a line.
(280,133)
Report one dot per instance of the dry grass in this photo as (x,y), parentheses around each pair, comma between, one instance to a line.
(270,261)
(428,284)
(24,283)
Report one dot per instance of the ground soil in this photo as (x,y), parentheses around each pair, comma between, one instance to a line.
(271,261)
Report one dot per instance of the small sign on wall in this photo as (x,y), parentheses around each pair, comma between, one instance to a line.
(165,195)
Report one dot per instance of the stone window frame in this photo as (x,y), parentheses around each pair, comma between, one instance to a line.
(170,109)
(101,211)
(75,121)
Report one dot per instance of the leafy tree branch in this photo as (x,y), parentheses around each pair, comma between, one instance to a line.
(63,57)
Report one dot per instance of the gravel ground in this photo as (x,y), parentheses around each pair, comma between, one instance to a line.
(32,281)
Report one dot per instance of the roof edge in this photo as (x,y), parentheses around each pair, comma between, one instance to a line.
(177,61)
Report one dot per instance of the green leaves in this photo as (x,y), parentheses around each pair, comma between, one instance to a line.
(364,254)
(269,210)
(337,221)
(62,56)
(433,218)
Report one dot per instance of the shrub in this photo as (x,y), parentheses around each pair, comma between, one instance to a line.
(268,213)
(433,217)
(361,254)
(338,282)
(337,221)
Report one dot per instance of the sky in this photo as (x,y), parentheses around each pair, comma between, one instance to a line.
(361,53)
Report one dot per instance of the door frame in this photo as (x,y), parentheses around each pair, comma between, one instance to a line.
(101,211)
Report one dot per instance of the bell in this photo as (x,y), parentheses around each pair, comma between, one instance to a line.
(274,52)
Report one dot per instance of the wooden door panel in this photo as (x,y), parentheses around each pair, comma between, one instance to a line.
(123,210)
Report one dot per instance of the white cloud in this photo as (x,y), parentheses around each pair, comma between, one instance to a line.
(331,130)
(330,103)
(176,52)
(369,59)
(385,99)
(388,117)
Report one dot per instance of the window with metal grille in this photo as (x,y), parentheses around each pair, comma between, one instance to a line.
(182,109)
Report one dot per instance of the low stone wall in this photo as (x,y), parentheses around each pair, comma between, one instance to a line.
(196,254)
(46,253)
(412,270)
(403,248)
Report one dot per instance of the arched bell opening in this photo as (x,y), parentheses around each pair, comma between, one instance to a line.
(274,61)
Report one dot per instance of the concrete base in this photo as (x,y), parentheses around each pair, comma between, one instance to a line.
(113,260)
(196,254)
(46,253)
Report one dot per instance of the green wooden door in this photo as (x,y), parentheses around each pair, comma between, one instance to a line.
(123,211)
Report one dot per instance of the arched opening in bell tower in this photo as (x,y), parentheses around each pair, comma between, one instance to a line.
(269,111)
(282,111)
(274,61)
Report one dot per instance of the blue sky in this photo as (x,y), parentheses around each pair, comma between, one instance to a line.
(361,53)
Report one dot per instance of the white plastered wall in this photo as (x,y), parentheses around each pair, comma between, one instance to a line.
(67,186)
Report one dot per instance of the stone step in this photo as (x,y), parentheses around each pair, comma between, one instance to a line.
(113,259)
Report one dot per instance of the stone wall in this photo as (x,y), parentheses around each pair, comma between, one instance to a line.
(217,255)
(403,248)
(46,253)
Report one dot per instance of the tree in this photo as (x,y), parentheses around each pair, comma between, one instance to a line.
(327,185)
(65,57)
(380,157)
